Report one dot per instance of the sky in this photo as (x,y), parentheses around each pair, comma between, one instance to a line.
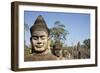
(77,24)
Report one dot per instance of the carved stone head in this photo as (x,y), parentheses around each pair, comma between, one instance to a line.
(39,35)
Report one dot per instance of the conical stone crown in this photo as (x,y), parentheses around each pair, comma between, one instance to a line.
(39,25)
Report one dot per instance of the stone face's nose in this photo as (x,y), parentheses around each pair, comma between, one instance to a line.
(39,41)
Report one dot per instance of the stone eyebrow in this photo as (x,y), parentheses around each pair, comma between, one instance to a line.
(38,36)
(42,36)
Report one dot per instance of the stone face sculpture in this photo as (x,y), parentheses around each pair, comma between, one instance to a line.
(39,41)
(57,51)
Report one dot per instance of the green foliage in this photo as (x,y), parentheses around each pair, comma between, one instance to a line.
(27,51)
(86,43)
(58,32)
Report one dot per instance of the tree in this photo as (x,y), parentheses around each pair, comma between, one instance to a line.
(86,43)
(58,32)
(84,51)
(26,28)
(78,46)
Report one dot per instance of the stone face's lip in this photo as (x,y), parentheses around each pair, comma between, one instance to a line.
(39,46)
